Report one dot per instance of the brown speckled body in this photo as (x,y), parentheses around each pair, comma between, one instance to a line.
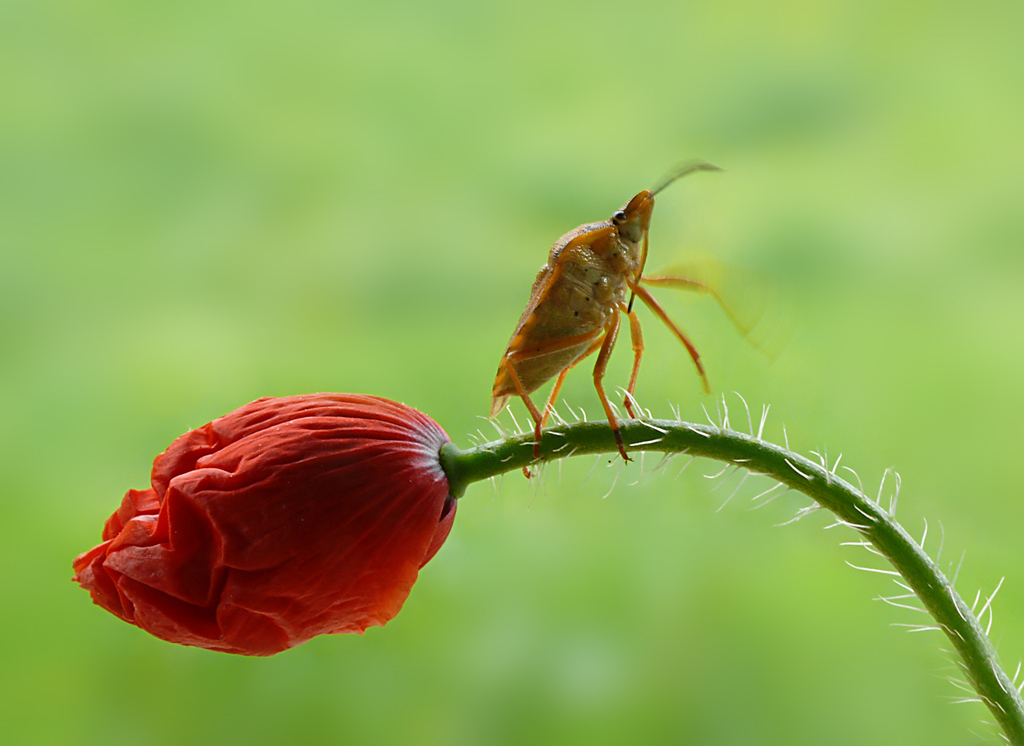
(583,285)
(575,305)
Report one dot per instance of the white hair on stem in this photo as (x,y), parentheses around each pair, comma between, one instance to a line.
(764,419)
(750,423)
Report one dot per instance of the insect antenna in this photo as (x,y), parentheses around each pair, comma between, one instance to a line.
(682,170)
(676,173)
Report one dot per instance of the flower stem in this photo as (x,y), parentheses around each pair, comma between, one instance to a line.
(952,615)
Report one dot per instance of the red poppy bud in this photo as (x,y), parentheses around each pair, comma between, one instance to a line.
(285,519)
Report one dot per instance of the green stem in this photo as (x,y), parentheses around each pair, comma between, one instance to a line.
(848,503)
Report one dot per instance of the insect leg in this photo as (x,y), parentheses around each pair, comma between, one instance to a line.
(680,283)
(534,412)
(611,332)
(647,298)
(549,407)
(696,286)
(637,338)
(515,356)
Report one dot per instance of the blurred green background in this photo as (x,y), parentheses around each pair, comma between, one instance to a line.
(204,203)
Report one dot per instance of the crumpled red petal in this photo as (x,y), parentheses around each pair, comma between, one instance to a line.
(285,519)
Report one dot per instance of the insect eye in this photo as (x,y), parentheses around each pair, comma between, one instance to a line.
(618,217)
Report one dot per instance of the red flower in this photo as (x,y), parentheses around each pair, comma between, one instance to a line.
(285,519)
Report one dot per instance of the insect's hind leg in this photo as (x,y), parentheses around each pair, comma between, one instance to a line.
(636,336)
(611,332)
(515,356)
(538,419)
(550,406)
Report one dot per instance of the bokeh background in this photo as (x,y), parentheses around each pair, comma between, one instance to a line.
(204,203)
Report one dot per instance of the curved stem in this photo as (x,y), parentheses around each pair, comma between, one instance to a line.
(848,503)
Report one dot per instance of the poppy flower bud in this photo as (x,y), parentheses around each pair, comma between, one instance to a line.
(285,519)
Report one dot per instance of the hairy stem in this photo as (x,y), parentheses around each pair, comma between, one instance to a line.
(952,615)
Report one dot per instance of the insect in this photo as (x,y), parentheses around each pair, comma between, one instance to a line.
(575,310)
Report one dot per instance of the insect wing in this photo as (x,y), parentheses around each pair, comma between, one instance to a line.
(549,336)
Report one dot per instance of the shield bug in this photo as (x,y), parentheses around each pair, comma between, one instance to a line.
(575,306)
